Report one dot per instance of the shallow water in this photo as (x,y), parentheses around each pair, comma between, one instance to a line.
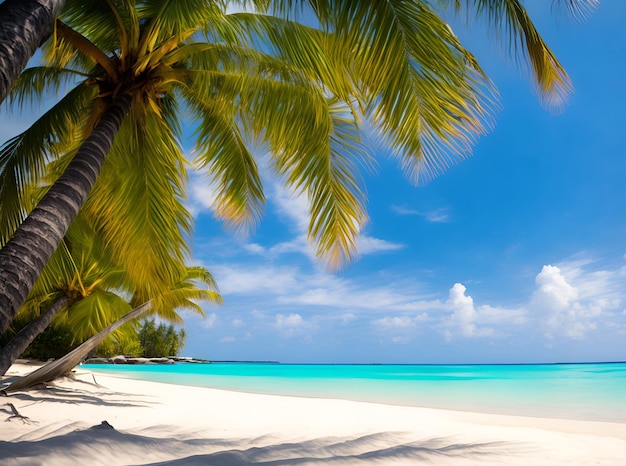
(569,391)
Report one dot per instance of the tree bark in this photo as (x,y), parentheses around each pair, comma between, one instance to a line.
(25,337)
(23,258)
(24,26)
(64,365)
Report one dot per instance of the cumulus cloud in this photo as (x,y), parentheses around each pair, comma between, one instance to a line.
(553,292)
(227,339)
(573,305)
(291,324)
(465,317)
(237,323)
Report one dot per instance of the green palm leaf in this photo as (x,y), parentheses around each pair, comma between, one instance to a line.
(24,158)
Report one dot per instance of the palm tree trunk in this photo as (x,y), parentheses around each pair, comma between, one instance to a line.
(23,258)
(24,26)
(62,366)
(25,337)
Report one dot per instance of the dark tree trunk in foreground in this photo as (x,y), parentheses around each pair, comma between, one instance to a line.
(23,258)
(64,365)
(25,337)
(24,26)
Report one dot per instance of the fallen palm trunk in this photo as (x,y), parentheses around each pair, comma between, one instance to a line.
(64,365)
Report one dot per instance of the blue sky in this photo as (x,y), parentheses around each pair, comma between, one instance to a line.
(514,255)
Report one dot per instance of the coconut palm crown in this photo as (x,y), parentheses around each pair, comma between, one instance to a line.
(301,91)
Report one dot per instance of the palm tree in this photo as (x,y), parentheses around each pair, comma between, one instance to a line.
(183,294)
(298,91)
(80,276)
(24,26)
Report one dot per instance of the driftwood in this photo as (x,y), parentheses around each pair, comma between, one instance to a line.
(62,366)
(17,415)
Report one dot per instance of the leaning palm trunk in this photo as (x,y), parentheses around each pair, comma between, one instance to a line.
(18,344)
(23,258)
(64,365)
(24,26)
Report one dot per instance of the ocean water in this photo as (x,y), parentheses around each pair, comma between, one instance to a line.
(568,391)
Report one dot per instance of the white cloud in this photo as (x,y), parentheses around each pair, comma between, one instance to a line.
(289,322)
(289,286)
(400,329)
(399,340)
(255,248)
(433,216)
(293,206)
(553,293)
(395,322)
(248,280)
(571,302)
(370,245)
(210,320)
(400,321)
(465,317)
(227,339)
(238,323)
(202,193)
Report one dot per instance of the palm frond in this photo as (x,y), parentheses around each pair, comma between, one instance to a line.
(94,19)
(185,293)
(222,148)
(511,22)
(328,172)
(23,158)
(338,211)
(167,18)
(422,90)
(36,82)
(137,201)
(95,312)
(35,304)
(308,50)
(578,9)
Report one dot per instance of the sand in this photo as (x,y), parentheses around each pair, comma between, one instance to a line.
(154,423)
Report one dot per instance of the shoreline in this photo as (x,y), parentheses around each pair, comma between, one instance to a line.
(155,422)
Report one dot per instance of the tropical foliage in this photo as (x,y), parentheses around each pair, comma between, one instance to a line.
(160,340)
(53,342)
(86,291)
(299,80)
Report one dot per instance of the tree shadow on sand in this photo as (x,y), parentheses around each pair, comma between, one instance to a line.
(103,444)
(50,393)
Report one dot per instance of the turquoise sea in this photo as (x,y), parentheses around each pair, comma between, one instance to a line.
(570,391)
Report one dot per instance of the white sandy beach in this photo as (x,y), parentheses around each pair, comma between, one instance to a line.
(155,423)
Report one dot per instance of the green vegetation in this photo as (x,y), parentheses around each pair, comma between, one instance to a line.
(149,340)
